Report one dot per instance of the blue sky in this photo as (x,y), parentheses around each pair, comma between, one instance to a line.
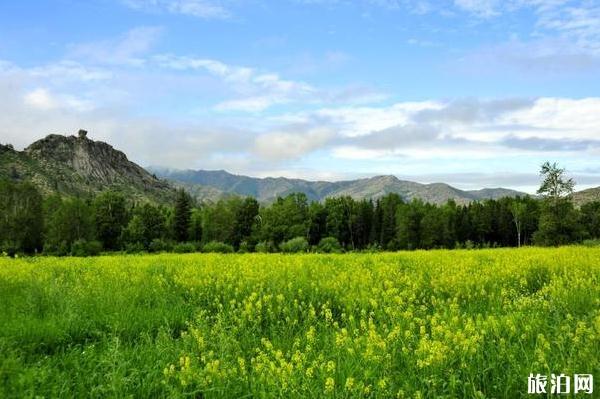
(470,92)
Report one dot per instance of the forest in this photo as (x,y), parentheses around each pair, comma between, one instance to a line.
(54,225)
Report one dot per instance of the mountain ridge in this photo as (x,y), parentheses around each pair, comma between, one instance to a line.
(79,166)
(269,188)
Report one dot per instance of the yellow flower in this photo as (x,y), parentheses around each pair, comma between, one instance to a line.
(349,384)
(329,385)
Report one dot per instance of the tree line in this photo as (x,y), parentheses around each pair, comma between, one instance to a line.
(109,222)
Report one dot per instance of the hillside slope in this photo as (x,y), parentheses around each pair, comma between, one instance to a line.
(585,196)
(267,189)
(79,166)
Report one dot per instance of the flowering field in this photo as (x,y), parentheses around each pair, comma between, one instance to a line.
(421,324)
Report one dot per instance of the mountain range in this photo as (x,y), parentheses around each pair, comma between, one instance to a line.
(77,165)
(268,189)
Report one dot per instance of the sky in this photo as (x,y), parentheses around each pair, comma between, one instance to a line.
(473,93)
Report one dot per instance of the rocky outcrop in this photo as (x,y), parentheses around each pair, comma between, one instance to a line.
(76,165)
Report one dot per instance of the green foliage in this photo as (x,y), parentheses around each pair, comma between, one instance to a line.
(558,225)
(219,220)
(590,219)
(245,222)
(134,247)
(285,219)
(329,245)
(429,324)
(195,232)
(217,247)
(184,248)
(82,247)
(591,243)
(160,245)
(71,220)
(265,247)
(555,185)
(182,216)
(148,223)
(111,217)
(21,217)
(559,222)
(295,245)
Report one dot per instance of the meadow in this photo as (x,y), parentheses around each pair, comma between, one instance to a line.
(434,324)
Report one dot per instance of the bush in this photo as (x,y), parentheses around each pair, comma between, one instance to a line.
(298,244)
(264,247)
(61,249)
(134,248)
(591,243)
(184,248)
(83,247)
(158,245)
(329,245)
(244,248)
(219,247)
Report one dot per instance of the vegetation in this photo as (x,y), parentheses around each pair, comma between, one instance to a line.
(420,324)
(291,224)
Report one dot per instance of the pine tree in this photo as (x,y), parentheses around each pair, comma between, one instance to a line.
(182,216)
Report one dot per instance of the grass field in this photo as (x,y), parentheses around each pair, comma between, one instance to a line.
(421,324)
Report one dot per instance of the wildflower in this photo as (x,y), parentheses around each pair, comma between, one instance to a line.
(329,385)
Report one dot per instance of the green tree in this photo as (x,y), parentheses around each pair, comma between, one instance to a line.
(558,223)
(555,185)
(590,216)
(72,220)
(285,219)
(409,229)
(219,220)
(182,216)
(387,219)
(318,222)
(245,221)
(111,217)
(147,223)
(21,217)
(518,211)
(195,232)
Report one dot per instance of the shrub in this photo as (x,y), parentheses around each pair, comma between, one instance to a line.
(592,243)
(264,247)
(61,249)
(329,245)
(134,248)
(219,247)
(298,244)
(244,248)
(158,245)
(184,248)
(83,247)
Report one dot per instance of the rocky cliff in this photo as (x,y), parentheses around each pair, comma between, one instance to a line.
(77,165)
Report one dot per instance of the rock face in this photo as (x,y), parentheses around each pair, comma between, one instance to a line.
(76,165)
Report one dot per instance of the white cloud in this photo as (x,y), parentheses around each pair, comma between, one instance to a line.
(40,98)
(289,146)
(205,9)
(254,91)
(482,8)
(127,49)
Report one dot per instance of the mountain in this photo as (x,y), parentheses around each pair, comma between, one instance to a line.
(585,196)
(76,165)
(268,189)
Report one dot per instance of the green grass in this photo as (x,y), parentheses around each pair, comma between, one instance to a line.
(420,324)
